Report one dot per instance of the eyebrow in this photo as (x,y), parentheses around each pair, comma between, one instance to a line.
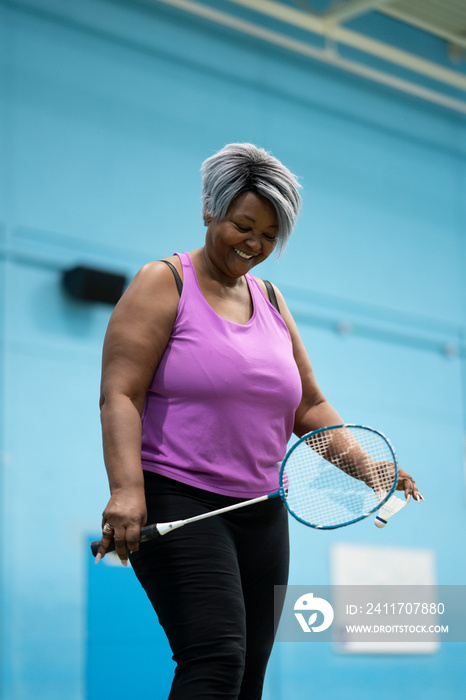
(245,216)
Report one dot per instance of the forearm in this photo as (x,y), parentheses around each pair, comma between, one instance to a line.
(341,448)
(319,415)
(121,436)
(125,512)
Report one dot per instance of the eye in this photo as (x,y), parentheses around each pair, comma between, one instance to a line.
(243,229)
(270,236)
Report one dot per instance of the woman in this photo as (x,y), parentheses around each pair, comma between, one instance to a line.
(203,383)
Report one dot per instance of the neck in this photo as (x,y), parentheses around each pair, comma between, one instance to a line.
(204,266)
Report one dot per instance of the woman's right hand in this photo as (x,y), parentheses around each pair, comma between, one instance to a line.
(124,516)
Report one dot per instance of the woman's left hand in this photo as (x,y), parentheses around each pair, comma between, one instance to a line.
(407,484)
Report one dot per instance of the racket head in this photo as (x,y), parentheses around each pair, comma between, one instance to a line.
(336,476)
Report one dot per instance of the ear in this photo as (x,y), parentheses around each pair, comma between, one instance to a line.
(207,218)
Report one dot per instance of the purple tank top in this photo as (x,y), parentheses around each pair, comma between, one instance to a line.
(220,409)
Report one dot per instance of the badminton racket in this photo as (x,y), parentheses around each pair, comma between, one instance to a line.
(330,478)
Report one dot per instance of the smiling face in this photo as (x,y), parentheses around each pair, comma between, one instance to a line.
(245,237)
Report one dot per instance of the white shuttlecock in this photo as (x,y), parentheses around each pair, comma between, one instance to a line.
(389,508)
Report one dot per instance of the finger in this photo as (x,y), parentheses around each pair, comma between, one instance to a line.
(133,534)
(105,542)
(415,492)
(409,488)
(121,546)
(406,484)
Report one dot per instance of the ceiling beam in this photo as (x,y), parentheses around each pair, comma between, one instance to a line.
(341,35)
(329,55)
(342,12)
(420,23)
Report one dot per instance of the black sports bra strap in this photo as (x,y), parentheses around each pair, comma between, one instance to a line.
(179,285)
(176,275)
(272,295)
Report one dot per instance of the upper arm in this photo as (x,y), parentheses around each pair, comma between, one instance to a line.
(312,395)
(138,333)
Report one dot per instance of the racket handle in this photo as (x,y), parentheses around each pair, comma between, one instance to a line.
(150,532)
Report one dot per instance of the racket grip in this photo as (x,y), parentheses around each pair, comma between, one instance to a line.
(95,547)
(149,532)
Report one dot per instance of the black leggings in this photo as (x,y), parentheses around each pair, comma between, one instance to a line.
(212,586)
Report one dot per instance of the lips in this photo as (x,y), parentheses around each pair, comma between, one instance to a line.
(245,256)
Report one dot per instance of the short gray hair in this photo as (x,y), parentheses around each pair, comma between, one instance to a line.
(243,167)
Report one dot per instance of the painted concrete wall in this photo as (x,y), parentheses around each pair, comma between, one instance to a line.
(106,113)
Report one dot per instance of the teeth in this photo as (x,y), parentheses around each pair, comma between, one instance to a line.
(242,255)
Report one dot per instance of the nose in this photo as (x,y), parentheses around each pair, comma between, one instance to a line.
(254,242)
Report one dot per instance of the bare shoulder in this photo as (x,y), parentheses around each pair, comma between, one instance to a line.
(156,273)
(280,298)
(152,287)
(147,310)
(261,284)
(138,331)
(284,310)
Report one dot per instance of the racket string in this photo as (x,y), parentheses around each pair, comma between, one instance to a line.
(339,475)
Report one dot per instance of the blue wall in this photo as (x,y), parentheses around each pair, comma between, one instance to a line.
(106,113)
